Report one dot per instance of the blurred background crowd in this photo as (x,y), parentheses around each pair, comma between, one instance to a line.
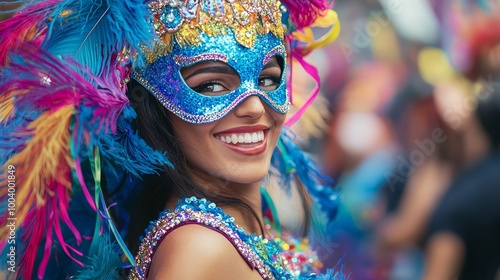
(413,138)
(408,125)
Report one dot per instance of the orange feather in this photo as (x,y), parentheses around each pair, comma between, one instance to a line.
(35,174)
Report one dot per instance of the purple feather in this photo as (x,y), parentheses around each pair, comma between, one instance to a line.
(49,84)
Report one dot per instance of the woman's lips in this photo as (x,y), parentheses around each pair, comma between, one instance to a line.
(246,143)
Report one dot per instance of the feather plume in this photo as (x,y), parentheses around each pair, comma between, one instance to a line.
(43,181)
(304,12)
(290,161)
(59,136)
(102,262)
(41,73)
(43,185)
(107,101)
(128,148)
(23,27)
(94,34)
(10,141)
(7,105)
(335,273)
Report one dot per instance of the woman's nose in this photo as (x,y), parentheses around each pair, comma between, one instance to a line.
(251,107)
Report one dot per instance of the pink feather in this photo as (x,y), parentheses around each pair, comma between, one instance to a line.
(47,215)
(50,84)
(110,98)
(67,86)
(23,27)
(303,13)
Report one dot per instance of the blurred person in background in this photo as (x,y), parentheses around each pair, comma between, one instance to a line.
(462,240)
(412,189)
(449,150)
(463,235)
(361,147)
(358,153)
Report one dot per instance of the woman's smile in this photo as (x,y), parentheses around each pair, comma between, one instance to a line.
(247,140)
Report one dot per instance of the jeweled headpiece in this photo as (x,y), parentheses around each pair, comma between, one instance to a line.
(184,21)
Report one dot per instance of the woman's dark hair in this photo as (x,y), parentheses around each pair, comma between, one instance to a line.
(154,126)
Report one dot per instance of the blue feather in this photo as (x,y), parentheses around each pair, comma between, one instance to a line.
(289,159)
(129,149)
(12,138)
(103,262)
(334,273)
(92,32)
(138,32)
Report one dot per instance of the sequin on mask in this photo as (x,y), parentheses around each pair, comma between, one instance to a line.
(164,80)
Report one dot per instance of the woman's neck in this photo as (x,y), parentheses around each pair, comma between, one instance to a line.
(248,194)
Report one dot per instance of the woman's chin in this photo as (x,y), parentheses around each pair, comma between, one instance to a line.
(247,180)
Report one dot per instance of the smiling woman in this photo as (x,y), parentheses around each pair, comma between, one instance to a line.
(171,111)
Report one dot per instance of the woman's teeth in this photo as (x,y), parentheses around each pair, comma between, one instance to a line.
(234,138)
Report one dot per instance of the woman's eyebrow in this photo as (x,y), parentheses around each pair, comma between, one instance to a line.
(213,69)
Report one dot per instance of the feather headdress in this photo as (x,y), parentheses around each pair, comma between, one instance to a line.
(63,98)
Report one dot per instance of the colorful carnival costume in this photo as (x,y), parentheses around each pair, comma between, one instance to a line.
(271,256)
(68,149)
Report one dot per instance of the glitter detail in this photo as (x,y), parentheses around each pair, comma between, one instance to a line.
(277,50)
(189,20)
(297,256)
(164,80)
(166,16)
(184,61)
(260,253)
(206,118)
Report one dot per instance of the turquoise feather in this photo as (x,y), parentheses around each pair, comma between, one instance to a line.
(103,262)
(92,32)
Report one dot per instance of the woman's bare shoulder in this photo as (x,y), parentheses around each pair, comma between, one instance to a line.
(197,252)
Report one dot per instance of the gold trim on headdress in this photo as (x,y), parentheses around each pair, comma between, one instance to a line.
(186,20)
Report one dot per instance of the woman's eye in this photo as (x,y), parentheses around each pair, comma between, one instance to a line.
(269,83)
(209,87)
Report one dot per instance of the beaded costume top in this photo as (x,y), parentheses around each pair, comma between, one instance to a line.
(272,257)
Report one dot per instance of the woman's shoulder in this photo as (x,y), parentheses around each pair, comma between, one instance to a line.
(196,237)
(194,251)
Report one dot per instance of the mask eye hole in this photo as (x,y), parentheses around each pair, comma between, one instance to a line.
(211,78)
(271,75)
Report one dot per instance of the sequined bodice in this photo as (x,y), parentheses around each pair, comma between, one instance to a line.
(271,257)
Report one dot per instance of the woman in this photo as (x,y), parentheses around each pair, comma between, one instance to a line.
(206,103)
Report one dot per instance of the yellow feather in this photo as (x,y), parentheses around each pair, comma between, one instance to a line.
(6,109)
(7,104)
(45,159)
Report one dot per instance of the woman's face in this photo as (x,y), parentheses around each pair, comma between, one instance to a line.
(236,149)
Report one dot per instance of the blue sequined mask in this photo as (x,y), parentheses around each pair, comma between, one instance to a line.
(163,77)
